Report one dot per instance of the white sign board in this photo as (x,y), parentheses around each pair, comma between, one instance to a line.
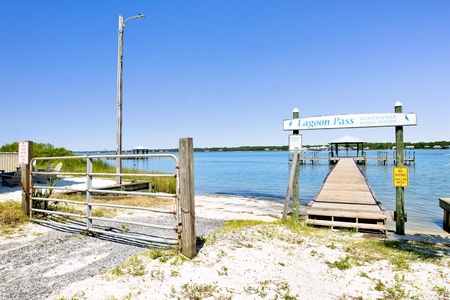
(295,141)
(351,121)
(23,153)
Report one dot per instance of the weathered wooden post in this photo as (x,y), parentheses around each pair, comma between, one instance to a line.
(295,191)
(400,190)
(290,184)
(25,156)
(187,197)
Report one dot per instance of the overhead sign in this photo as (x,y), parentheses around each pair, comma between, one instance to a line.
(295,141)
(400,176)
(351,121)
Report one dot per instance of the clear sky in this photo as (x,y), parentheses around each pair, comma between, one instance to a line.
(224,72)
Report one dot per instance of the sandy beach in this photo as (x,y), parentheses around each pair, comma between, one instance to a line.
(266,261)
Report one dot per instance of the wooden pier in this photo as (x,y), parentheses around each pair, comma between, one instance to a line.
(347,200)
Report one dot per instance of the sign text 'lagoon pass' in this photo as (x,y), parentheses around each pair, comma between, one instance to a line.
(351,121)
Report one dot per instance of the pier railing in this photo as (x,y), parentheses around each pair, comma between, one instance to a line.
(382,157)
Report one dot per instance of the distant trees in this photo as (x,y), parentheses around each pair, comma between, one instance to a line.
(372,146)
(39,150)
(242,148)
(48,150)
(419,145)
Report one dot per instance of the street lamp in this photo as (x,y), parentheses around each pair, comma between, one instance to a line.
(119,96)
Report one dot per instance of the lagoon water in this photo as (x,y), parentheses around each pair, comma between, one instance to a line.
(264,175)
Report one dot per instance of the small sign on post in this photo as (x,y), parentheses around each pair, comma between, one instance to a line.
(400,176)
(295,141)
(23,153)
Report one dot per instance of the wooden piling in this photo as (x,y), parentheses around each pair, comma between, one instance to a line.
(400,191)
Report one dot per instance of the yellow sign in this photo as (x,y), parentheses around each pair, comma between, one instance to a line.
(400,176)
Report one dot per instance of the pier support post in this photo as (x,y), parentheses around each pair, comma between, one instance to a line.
(400,191)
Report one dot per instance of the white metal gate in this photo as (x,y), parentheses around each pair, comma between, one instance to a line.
(50,188)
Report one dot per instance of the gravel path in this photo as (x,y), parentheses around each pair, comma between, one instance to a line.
(36,267)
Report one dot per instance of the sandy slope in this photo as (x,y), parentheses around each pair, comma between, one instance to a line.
(270,263)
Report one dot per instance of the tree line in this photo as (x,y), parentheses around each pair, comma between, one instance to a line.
(48,150)
(372,146)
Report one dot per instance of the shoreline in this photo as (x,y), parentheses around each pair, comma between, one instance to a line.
(230,206)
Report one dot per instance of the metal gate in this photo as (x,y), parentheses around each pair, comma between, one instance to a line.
(53,190)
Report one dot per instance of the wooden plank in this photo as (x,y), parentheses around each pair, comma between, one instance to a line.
(347,214)
(360,209)
(381,227)
(345,206)
(347,197)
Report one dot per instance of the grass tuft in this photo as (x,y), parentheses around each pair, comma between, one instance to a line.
(11,216)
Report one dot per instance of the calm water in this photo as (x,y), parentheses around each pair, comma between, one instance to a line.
(265,175)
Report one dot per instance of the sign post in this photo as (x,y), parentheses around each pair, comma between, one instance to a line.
(295,138)
(400,190)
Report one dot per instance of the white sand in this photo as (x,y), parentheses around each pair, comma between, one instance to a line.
(263,263)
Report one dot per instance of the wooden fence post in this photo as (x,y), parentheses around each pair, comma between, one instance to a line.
(25,156)
(187,197)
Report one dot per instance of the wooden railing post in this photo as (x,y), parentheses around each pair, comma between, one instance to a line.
(187,197)
(25,156)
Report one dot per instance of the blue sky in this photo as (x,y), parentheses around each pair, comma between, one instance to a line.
(226,73)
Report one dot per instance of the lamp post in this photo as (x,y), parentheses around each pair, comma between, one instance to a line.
(119,96)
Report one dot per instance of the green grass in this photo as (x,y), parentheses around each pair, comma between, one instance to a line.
(237,225)
(399,253)
(11,217)
(134,266)
(165,255)
(198,291)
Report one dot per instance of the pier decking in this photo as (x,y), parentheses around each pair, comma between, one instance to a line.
(347,200)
